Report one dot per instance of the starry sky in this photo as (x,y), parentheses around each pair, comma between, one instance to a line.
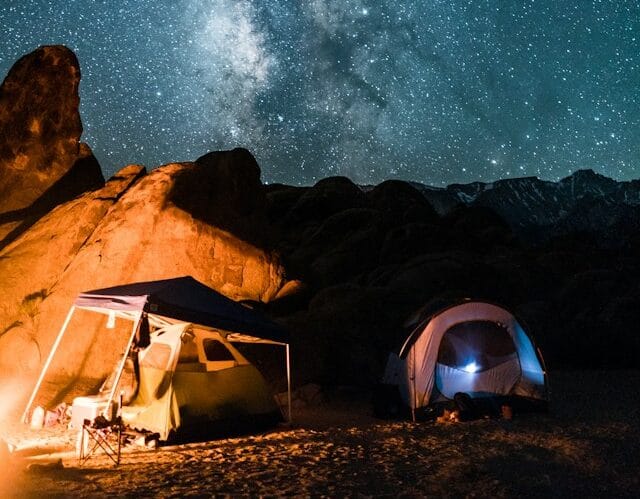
(436,91)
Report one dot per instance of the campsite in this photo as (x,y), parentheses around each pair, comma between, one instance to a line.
(188,329)
(186,370)
(586,447)
(327,441)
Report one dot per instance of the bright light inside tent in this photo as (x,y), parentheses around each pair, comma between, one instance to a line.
(472,367)
(111,321)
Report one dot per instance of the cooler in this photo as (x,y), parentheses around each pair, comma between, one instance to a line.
(87,408)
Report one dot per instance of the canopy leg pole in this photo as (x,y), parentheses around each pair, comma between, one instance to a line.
(134,329)
(48,362)
(288,382)
(413,382)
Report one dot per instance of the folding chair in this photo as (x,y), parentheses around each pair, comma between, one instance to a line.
(100,434)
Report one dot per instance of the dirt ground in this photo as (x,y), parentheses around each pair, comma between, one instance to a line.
(587,446)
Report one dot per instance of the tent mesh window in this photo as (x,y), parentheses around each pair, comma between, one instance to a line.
(214,350)
(476,346)
(188,350)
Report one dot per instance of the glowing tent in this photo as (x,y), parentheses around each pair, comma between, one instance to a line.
(475,348)
(188,370)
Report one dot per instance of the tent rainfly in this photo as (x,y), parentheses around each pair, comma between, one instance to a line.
(181,311)
(475,348)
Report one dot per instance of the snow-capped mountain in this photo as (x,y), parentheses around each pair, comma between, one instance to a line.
(584,201)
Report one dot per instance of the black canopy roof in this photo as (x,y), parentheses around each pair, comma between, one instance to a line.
(188,300)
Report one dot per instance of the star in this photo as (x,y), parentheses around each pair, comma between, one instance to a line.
(421,91)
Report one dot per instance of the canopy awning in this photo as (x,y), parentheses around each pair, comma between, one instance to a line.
(187,300)
(171,301)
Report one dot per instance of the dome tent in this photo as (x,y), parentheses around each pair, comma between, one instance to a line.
(474,347)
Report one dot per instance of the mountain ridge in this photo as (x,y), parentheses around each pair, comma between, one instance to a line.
(529,204)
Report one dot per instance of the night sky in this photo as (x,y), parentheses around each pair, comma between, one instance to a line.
(436,91)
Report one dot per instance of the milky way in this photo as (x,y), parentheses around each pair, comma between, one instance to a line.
(434,91)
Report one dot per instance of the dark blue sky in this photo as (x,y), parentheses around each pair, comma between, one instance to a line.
(433,91)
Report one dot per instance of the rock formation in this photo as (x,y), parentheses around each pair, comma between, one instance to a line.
(374,257)
(42,162)
(136,228)
(63,230)
(40,124)
(362,258)
(33,265)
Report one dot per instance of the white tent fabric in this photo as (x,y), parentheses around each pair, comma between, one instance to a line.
(174,301)
(500,379)
(417,372)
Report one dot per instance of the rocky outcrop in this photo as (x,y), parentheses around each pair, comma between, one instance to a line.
(223,189)
(34,264)
(63,230)
(402,202)
(137,228)
(363,258)
(42,162)
(369,261)
(155,232)
(40,126)
(327,197)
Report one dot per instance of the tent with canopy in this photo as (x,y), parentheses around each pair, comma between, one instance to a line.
(188,370)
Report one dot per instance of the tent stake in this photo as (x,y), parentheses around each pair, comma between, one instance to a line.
(46,364)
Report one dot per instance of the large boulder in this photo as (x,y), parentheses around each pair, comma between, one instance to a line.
(153,232)
(40,129)
(149,230)
(223,189)
(280,199)
(85,175)
(451,274)
(327,197)
(402,202)
(347,332)
(476,227)
(345,244)
(405,242)
(33,265)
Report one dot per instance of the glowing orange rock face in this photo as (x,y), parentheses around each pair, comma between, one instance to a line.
(201,219)
(42,162)
(40,125)
(63,230)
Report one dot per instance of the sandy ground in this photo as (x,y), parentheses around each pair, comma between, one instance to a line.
(587,446)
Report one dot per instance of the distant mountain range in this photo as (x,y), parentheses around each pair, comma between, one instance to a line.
(537,209)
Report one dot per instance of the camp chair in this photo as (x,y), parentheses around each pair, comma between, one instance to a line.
(103,434)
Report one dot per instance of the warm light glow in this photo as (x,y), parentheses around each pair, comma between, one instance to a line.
(111,321)
(11,397)
(7,480)
(472,367)
(5,451)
